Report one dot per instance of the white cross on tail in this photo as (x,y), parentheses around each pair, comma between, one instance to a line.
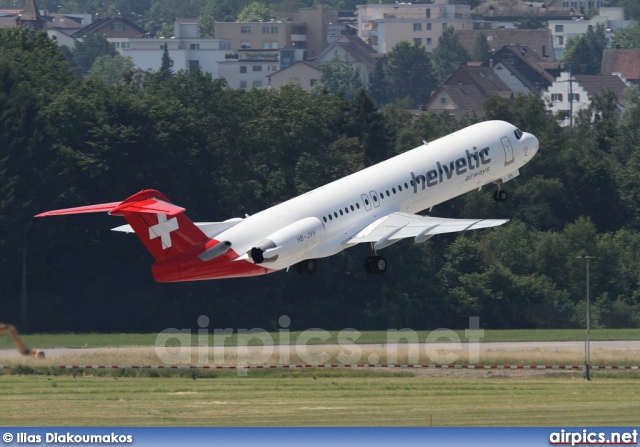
(163,230)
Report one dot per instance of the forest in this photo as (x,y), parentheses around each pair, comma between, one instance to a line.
(221,153)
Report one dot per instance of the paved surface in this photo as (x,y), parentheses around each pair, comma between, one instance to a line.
(617,345)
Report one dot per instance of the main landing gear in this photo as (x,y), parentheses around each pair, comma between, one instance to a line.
(375,264)
(307,267)
(500,195)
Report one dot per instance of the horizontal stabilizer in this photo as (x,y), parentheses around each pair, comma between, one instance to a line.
(151,206)
(101,208)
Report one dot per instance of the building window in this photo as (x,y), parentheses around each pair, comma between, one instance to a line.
(256,84)
(274,45)
(194,46)
(265,30)
(243,68)
(417,26)
(429,41)
(417,41)
(444,26)
(574,97)
(565,4)
(266,44)
(560,40)
(559,28)
(245,30)
(245,44)
(272,68)
(243,84)
(443,100)
(117,27)
(274,30)
(428,13)
(194,65)
(556,97)
(428,26)
(257,68)
(125,45)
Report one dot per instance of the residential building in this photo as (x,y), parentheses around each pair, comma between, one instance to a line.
(505,14)
(186,50)
(262,35)
(625,62)
(315,21)
(563,30)
(117,27)
(568,95)
(384,25)
(466,90)
(584,6)
(356,51)
(29,17)
(252,67)
(523,69)
(538,41)
(303,73)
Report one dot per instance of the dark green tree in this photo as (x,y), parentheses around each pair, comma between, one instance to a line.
(530,21)
(166,63)
(88,50)
(340,77)
(448,54)
(481,49)
(625,38)
(409,73)
(378,84)
(207,19)
(583,54)
(111,69)
(256,12)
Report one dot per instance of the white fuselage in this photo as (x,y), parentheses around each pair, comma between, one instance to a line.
(416,180)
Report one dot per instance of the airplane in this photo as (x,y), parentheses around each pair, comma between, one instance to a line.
(376,205)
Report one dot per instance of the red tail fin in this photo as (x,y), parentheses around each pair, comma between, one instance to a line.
(161,226)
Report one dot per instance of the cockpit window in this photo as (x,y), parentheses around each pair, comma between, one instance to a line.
(518,133)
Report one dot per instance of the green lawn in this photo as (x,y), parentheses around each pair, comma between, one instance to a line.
(318,398)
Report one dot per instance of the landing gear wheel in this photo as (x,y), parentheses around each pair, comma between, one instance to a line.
(500,195)
(375,265)
(308,266)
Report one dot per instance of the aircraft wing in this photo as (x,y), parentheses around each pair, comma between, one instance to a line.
(393,227)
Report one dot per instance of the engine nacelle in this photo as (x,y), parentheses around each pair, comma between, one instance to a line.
(290,240)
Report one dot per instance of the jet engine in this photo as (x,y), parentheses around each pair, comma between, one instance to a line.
(299,236)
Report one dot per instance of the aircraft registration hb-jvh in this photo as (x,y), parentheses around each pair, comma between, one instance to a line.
(375,205)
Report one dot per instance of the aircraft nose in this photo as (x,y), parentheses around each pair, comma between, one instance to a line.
(531,145)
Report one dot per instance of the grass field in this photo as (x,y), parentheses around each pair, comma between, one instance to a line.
(319,398)
(39,393)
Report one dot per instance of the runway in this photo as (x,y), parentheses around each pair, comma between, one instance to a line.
(629,348)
